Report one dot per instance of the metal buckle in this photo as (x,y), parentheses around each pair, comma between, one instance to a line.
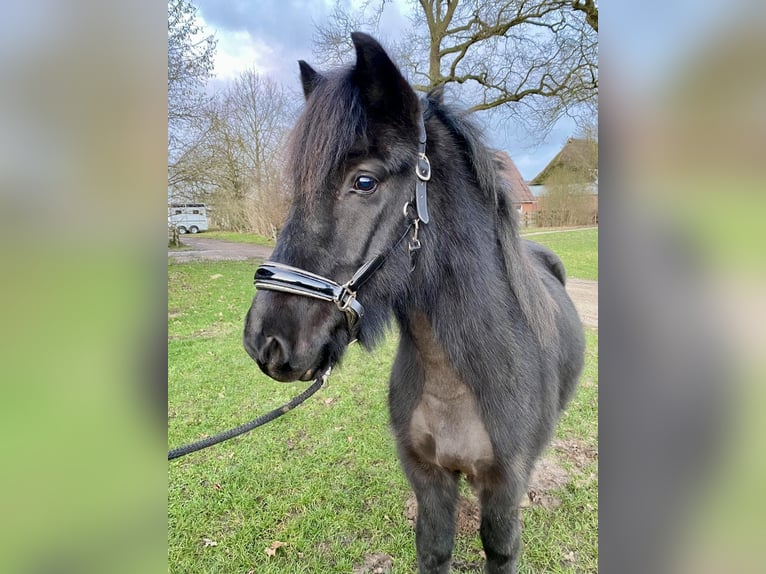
(414,243)
(423,167)
(326,375)
(345,298)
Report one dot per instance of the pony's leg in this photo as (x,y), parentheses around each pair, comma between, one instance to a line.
(436,490)
(500,529)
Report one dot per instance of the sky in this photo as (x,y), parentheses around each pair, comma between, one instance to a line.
(270,36)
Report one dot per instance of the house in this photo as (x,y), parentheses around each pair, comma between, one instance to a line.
(522,198)
(576,165)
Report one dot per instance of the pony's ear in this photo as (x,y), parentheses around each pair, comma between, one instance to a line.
(382,86)
(437,94)
(309,78)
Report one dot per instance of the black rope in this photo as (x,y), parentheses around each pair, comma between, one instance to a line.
(247,427)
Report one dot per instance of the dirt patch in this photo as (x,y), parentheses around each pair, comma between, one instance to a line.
(575,451)
(378,563)
(584,294)
(411,509)
(547,476)
(467,567)
(468,514)
(205,249)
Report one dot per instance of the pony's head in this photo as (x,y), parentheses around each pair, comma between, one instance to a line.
(351,164)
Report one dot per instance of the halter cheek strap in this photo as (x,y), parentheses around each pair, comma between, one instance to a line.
(423,171)
(275,276)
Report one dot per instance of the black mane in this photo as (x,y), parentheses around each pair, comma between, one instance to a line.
(485,168)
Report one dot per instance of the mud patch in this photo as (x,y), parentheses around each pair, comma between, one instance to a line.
(378,563)
(576,452)
(547,476)
(467,567)
(468,514)
(411,509)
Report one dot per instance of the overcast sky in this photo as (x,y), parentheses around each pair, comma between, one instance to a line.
(272,35)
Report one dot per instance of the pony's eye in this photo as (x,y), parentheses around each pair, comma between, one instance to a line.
(365,184)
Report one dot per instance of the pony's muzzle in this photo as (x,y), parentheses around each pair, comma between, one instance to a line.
(279,357)
(293,338)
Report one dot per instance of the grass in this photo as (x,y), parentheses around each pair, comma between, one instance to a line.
(541,230)
(238,237)
(324,479)
(578,249)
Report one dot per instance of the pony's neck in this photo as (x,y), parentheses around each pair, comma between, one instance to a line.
(472,250)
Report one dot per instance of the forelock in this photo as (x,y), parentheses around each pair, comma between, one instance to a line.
(332,121)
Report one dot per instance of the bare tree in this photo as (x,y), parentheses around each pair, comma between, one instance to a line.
(190,169)
(332,40)
(190,64)
(534,60)
(234,162)
(258,107)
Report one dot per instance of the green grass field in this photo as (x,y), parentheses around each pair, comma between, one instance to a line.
(321,488)
(578,249)
(237,237)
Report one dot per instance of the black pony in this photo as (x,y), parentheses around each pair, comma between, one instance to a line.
(491,346)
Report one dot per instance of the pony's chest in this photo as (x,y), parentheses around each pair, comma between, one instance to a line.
(446,428)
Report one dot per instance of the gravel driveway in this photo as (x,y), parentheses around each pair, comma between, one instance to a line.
(204,249)
(583,292)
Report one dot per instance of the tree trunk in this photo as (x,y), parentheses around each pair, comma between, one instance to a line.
(174,239)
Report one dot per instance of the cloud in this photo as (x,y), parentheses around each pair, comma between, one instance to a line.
(238,51)
(269,36)
(282,24)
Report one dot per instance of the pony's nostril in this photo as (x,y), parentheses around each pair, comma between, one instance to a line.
(274,352)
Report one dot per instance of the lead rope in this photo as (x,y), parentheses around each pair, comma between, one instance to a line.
(255,423)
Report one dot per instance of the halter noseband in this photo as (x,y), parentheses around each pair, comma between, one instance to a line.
(274,276)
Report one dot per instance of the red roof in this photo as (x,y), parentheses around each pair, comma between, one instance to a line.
(520,191)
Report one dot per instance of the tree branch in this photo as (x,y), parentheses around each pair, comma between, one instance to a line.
(539,52)
(590,9)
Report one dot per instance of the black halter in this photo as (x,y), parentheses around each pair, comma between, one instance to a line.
(286,279)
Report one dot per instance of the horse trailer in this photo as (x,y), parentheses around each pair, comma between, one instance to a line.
(188,217)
